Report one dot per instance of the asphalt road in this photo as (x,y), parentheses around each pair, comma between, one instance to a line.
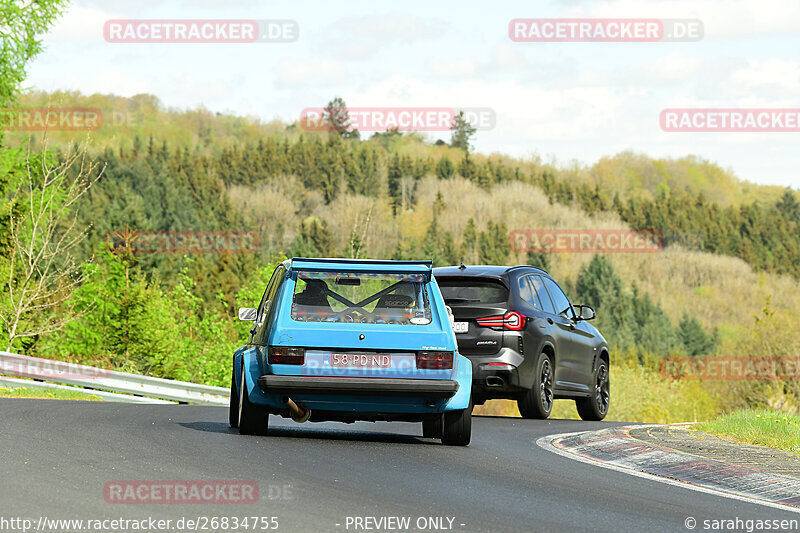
(57,457)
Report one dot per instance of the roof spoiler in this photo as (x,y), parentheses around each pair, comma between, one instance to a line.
(367,265)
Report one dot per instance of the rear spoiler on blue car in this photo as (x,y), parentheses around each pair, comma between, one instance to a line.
(362,265)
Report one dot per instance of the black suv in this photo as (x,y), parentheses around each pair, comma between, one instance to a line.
(527,342)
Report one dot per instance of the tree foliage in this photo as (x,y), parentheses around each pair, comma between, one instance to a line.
(337,116)
(461,132)
(173,315)
(22,22)
(634,322)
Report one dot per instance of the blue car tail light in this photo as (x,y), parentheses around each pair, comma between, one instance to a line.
(286,355)
(434,360)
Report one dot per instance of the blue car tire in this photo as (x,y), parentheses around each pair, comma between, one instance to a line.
(457,427)
(233,405)
(253,419)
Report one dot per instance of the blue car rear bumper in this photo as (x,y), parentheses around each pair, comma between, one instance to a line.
(354,396)
(412,388)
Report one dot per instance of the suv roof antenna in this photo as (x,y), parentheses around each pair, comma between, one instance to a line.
(462,266)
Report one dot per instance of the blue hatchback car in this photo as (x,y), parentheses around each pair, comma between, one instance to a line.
(347,340)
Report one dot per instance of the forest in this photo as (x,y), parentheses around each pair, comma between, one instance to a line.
(385,195)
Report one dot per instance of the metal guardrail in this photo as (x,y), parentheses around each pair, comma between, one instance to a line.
(98,379)
(18,383)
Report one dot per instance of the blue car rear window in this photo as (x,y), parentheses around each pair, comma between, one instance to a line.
(362,297)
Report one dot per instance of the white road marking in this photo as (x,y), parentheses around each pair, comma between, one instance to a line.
(546,443)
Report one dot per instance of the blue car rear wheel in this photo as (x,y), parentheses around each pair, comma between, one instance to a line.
(457,427)
(253,420)
(233,406)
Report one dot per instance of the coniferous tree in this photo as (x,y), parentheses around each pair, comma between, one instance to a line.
(314,239)
(395,175)
(493,244)
(540,260)
(694,338)
(337,117)
(470,242)
(788,206)
(445,168)
(461,132)
(467,168)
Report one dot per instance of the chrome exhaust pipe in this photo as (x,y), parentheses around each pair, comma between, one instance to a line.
(299,412)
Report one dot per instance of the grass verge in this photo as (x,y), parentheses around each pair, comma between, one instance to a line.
(758,426)
(638,394)
(55,394)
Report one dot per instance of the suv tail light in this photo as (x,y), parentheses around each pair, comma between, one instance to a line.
(511,320)
(286,355)
(435,360)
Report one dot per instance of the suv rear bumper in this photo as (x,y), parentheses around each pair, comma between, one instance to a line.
(497,375)
(412,388)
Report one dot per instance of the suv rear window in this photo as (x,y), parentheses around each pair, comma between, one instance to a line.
(362,297)
(472,290)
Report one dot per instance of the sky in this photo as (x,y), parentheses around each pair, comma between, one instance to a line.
(565,102)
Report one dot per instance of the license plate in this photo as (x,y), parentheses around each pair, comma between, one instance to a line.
(359,360)
(461,327)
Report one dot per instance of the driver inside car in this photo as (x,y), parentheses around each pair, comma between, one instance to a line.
(314,295)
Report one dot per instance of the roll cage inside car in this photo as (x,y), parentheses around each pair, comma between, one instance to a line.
(382,291)
(360,305)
